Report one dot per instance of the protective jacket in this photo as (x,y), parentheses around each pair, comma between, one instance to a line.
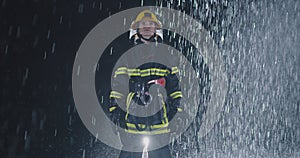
(140,81)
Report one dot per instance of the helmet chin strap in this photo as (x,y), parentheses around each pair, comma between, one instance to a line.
(151,39)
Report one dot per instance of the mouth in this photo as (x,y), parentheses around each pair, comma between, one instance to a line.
(147,32)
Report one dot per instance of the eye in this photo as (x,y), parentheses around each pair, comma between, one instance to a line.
(152,23)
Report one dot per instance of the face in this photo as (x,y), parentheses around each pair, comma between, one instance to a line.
(147,28)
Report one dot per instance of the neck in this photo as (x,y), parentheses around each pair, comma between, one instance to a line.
(145,41)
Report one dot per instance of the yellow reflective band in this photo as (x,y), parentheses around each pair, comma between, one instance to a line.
(154,71)
(142,73)
(157,74)
(133,70)
(177,96)
(148,132)
(179,109)
(129,98)
(115,96)
(120,73)
(116,93)
(165,117)
(145,75)
(159,126)
(112,108)
(161,74)
(134,74)
(141,126)
(174,72)
(165,113)
(158,70)
(130,125)
(174,68)
(175,93)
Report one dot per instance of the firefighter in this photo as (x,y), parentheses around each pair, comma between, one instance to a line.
(146,28)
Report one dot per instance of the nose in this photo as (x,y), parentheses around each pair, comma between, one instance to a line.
(147,23)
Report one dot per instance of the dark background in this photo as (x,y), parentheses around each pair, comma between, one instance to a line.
(259,41)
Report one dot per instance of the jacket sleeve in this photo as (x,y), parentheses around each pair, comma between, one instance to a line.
(116,97)
(114,109)
(174,92)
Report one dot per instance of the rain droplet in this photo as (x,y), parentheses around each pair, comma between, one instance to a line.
(41,124)
(83,153)
(10,30)
(93,120)
(45,55)
(100,6)
(60,19)
(6,49)
(78,70)
(33,117)
(71,140)
(222,39)
(96,138)
(53,48)
(94,3)
(25,76)
(124,21)
(70,120)
(25,135)
(95,68)
(55,132)
(91,142)
(69,109)
(111,50)
(27,144)
(80,8)
(18,32)
(48,34)
(18,129)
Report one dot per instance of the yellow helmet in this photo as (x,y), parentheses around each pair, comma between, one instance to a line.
(146,15)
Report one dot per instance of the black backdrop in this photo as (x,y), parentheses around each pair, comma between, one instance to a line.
(39,40)
(38,44)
